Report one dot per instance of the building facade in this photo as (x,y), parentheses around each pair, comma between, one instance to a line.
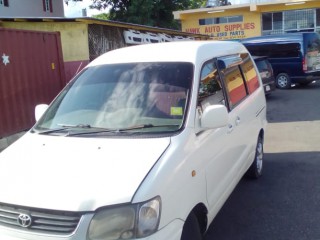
(31,8)
(252,18)
(83,39)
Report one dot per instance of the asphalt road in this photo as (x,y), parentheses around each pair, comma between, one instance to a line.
(284,204)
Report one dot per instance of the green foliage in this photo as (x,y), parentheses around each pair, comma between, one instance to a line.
(103,16)
(156,13)
(194,4)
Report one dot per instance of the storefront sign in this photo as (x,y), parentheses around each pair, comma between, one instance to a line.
(226,31)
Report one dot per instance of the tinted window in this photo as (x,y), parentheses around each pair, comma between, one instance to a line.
(261,64)
(275,50)
(210,89)
(235,85)
(266,21)
(250,74)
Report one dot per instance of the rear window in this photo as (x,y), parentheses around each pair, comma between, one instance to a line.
(262,65)
(275,50)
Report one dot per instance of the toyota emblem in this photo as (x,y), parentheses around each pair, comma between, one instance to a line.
(24,220)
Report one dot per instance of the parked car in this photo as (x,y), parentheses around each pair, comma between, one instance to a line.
(146,142)
(295,57)
(266,73)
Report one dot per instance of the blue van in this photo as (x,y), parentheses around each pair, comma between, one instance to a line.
(295,57)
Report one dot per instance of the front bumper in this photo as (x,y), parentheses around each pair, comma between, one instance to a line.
(171,231)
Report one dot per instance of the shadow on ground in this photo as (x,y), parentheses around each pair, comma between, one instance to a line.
(256,210)
(288,106)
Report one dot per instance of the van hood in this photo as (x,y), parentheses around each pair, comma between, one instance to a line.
(75,174)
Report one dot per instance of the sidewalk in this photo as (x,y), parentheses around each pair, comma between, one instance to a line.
(6,141)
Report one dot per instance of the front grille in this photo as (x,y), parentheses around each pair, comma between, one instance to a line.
(42,220)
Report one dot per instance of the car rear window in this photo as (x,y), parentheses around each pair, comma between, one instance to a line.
(262,65)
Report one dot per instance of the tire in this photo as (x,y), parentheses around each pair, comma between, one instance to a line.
(283,81)
(255,170)
(191,229)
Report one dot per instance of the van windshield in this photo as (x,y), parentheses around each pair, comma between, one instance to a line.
(131,97)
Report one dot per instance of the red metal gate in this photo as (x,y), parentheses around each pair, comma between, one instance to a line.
(31,72)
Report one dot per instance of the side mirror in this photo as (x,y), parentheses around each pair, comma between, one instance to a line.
(214,116)
(39,110)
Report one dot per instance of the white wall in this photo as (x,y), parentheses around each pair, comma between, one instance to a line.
(31,8)
(74,9)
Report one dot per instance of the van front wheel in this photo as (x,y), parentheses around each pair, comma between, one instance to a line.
(283,81)
(191,229)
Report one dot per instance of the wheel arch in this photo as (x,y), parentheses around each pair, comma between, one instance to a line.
(261,134)
(201,211)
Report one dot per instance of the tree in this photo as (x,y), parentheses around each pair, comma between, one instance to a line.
(197,4)
(103,16)
(156,13)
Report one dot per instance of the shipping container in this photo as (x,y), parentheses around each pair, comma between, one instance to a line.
(31,72)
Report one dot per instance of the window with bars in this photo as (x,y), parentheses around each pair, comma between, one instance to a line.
(304,20)
(299,19)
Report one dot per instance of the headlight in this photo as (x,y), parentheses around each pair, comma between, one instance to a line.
(126,222)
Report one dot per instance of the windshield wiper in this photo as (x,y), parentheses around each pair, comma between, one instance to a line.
(119,130)
(66,127)
(75,125)
(146,126)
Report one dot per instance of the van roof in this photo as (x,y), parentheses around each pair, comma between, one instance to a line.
(183,51)
(288,37)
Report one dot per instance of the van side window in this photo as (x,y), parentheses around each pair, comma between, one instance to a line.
(210,89)
(250,74)
(278,50)
(235,85)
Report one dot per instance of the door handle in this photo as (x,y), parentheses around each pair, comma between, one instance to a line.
(238,121)
(230,128)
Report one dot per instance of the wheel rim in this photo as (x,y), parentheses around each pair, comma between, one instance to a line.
(282,81)
(259,157)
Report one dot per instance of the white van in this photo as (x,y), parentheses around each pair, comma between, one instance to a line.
(147,142)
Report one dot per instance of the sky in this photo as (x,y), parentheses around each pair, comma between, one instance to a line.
(74,9)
